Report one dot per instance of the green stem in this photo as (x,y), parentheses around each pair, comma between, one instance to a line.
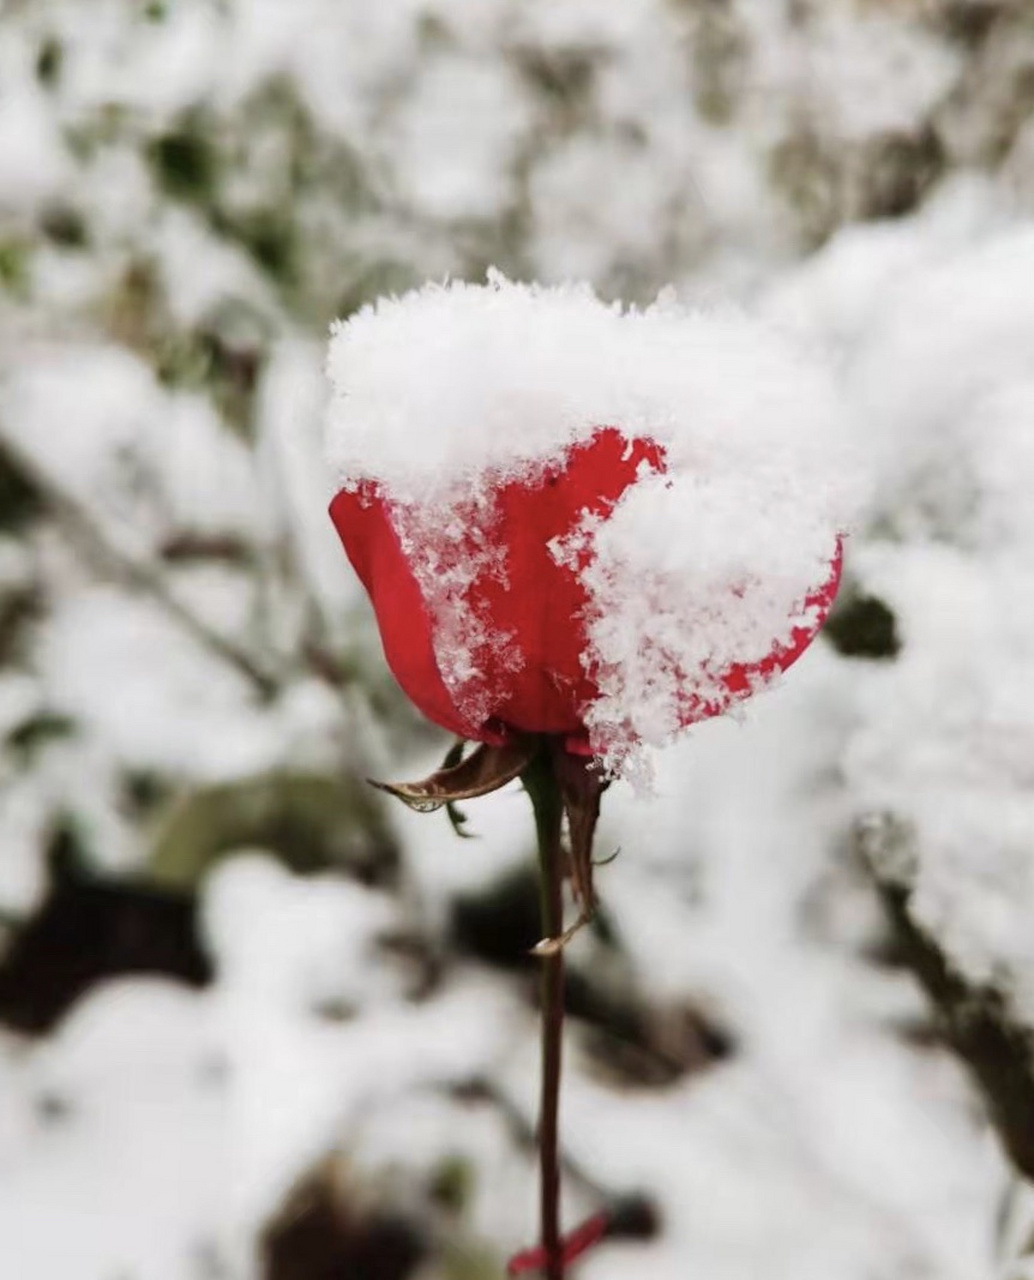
(542,787)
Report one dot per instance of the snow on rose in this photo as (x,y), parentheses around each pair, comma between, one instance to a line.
(578,520)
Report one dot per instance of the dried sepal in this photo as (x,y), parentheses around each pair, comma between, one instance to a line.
(581,787)
(487,769)
(457,818)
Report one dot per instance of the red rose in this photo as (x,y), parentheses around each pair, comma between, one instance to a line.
(582,529)
(580,522)
(534,680)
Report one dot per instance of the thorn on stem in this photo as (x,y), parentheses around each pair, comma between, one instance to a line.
(550,946)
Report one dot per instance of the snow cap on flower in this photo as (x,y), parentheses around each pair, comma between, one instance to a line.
(612,522)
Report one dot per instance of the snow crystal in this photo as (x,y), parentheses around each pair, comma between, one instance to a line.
(444,394)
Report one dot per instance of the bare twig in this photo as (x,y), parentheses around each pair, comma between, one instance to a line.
(977,1019)
(134,570)
(481,1089)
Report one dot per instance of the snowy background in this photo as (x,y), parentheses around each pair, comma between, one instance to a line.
(257,1024)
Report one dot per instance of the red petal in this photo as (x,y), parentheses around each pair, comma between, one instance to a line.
(539,604)
(542,602)
(372,545)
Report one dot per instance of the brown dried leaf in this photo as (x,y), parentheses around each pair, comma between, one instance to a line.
(485,770)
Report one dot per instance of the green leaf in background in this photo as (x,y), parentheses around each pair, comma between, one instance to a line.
(311,821)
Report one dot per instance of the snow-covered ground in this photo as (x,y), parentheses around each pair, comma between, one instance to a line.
(189,191)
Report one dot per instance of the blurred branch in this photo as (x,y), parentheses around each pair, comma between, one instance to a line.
(977,1019)
(631,1215)
(135,571)
(481,1089)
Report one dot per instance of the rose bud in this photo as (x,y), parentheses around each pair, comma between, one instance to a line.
(580,521)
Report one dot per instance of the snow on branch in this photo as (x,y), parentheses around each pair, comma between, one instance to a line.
(978,1018)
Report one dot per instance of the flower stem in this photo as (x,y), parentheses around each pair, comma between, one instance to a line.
(542,787)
